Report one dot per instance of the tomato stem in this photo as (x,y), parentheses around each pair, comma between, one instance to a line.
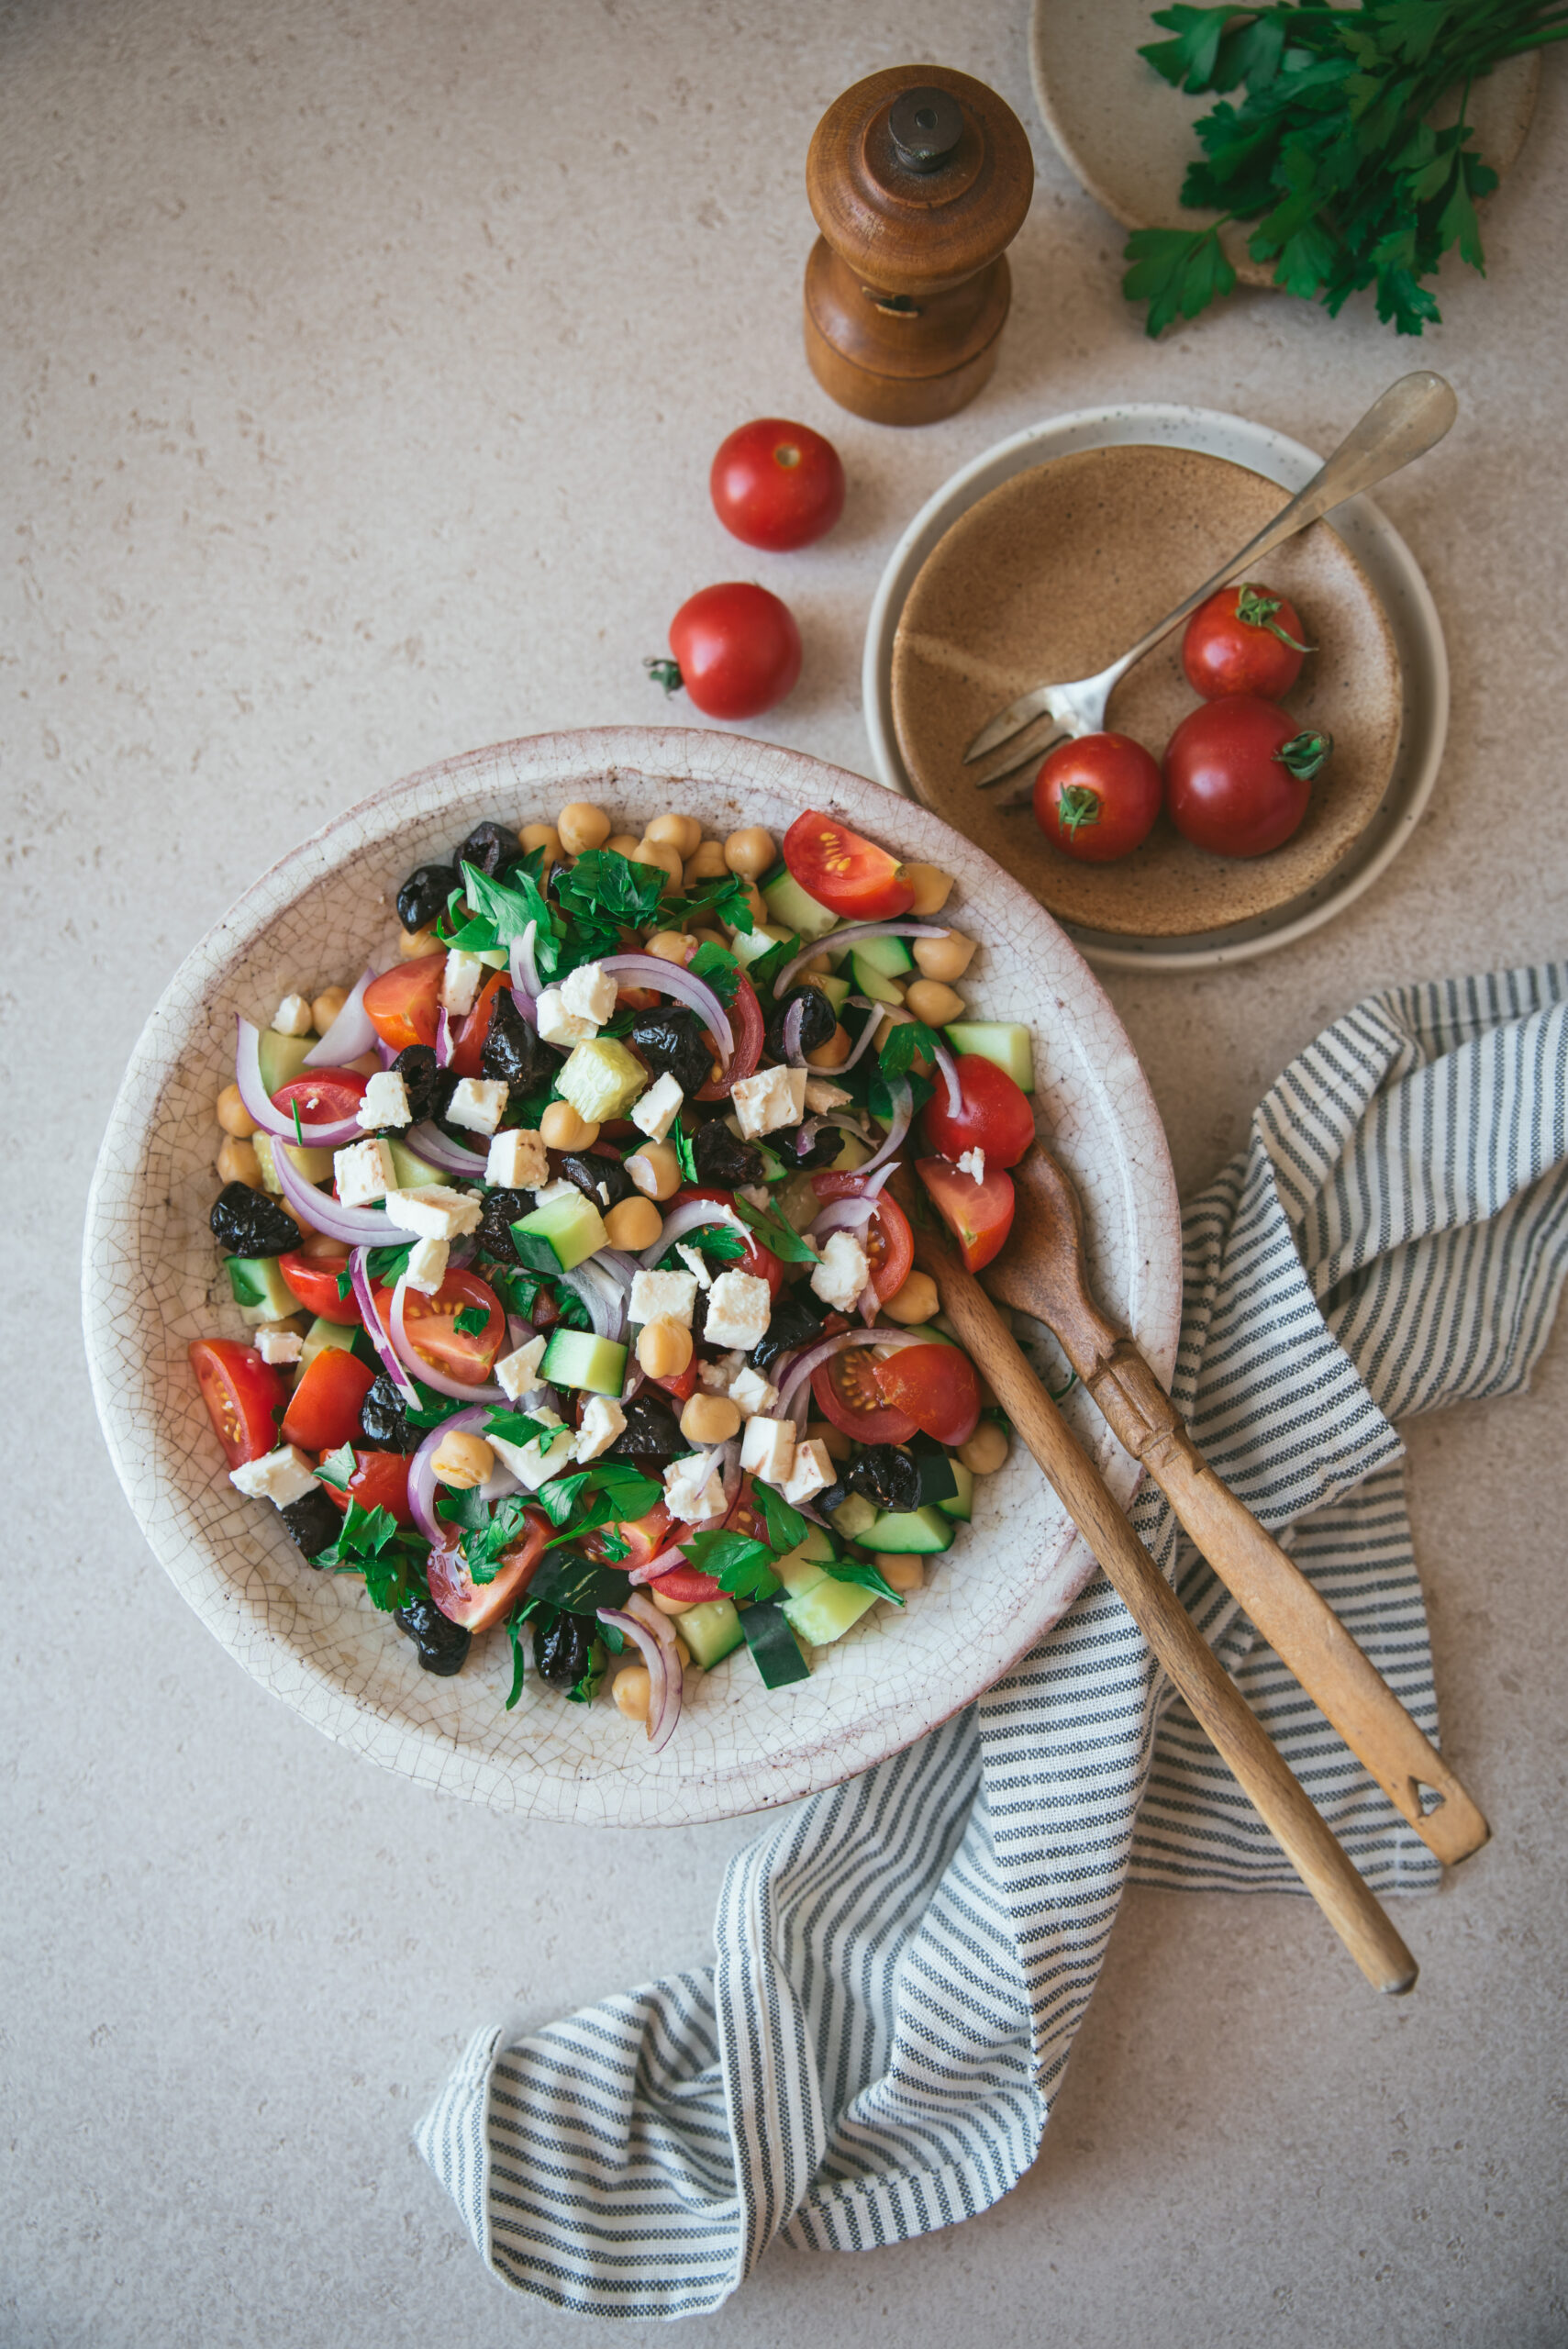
(1304,754)
(1079,805)
(665,672)
(1254,609)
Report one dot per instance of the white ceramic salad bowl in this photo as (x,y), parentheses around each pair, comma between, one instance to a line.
(153,1281)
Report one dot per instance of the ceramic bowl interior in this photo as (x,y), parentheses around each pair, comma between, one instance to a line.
(152,1283)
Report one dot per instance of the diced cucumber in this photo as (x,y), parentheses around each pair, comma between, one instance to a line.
(316,1166)
(801,1568)
(938,1481)
(414,1173)
(323,1333)
(836,990)
(495,958)
(281,1057)
(797,1203)
(710,1630)
(826,1611)
(854,1154)
(961,1507)
(789,903)
(888,955)
(601,1079)
(1011,1046)
(932,1334)
(749,945)
(557,1237)
(911,1531)
(261,1288)
(573,1358)
(854,1517)
(870,981)
(774,1648)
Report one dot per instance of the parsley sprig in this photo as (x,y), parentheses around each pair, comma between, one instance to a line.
(392,1562)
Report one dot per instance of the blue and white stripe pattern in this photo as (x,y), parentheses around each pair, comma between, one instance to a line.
(902,1961)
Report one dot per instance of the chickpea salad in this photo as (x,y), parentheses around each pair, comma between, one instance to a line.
(580,1308)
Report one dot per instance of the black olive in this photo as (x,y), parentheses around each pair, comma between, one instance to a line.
(246,1223)
(817,1021)
(489,848)
(883,1474)
(652,1431)
(441,1645)
(429,1088)
(830,1498)
(797,1322)
(501,1210)
(590,1171)
(313,1522)
(424,895)
(564,1647)
(672,1039)
(382,1423)
(723,1161)
(800,1149)
(512,1050)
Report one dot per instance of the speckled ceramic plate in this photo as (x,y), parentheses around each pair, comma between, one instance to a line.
(152,1283)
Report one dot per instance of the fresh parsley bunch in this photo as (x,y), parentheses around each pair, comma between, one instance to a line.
(1330,151)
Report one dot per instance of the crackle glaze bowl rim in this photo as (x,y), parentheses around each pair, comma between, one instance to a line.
(147,1287)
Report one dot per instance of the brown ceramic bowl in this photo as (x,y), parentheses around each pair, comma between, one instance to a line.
(1060,569)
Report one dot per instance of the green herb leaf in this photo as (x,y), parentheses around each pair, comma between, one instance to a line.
(606,893)
(786,1527)
(775,1233)
(500,912)
(371,1544)
(909,1042)
(719,968)
(719,1241)
(336,1468)
(1178,272)
(472,1320)
(345,1284)
(625,1491)
(862,1570)
(739,1565)
(764,971)
(431,1408)
(681,1142)
(388,1265)
(721,900)
(516,1427)
(516,1622)
(298,1128)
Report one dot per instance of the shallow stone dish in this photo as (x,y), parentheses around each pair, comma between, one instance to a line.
(152,1282)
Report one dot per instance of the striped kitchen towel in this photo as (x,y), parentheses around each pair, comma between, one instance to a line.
(902,1961)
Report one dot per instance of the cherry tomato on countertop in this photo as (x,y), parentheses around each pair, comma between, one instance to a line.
(241,1392)
(979,1215)
(1244,640)
(1096,799)
(938,1386)
(852,876)
(737,651)
(323,1409)
(776,484)
(401,1004)
(995,1116)
(1239,776)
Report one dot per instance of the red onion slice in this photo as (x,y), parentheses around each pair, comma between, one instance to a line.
(795,1395)
(903,1112)
(674,1556)
(691,1216)
(433,1146)
(862,1042)
(360,1280)
(949,1068)
(462,1390)
(351,1034)
(443,1038)
(525,970)
(844,1215)
(351,1227)
(277,1122)
(386,1053)
(422,1479)
(852,936)
(791,1026)
(603,1296)
(674,979)
(642,1607)
(664,1689)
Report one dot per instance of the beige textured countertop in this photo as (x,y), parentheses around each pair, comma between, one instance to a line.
(362,363)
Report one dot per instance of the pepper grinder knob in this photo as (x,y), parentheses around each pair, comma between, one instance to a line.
(919,178)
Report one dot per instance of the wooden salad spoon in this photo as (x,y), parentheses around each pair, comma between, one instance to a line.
(1240,1739)
(1042,1272)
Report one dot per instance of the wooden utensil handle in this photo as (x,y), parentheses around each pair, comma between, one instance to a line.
(1295,1621)
(1237,1733)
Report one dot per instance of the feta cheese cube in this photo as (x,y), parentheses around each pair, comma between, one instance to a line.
(663,1297)
(752,1391)
(281,1477)
(428,1265)
(974,1163)
(478,1103)
(517,1372)
(279,1345)
(364,1172)
(812,1472)
(658,1107)
(462,979)
(602,1419)
(517,1161)
(589,993)
(433,1211)
(693,1264)
(559,1026)
(843,1273)
(543,1456)
(821,1097)
(739,1308)
(291,1017)
(693,1489)
(767,1449)
(386,1102)
(773,1097)
(716,1376)
(560,1189)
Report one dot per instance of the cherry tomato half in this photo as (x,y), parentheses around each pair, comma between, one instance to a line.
(430,1324)
(760,1262)
(979,1215)
(323,1098)
(241,1392)
(887,1240)
(689,1585)
(312,1270)
(644,1537)
(380,1481)
(746,1027)
(323,1409)
(1239,775)
(938,1386)
(847,1391)
(777,485)
(737,651)
(1244,640)
(1096,799)
(470,1036)
(995,1116)
(403,1002)
(476,1608)
(852,876)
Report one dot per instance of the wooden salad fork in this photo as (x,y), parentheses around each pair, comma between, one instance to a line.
(1042,1272)
(1213,1697)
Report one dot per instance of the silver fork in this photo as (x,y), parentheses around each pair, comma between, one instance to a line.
(1411,417)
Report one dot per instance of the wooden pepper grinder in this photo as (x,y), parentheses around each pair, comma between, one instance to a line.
(919,177)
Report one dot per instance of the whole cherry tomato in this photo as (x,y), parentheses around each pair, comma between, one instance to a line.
(995,1116)
(851,876)
(1096,799)
(777,485)
(1244,640)
(737,651)
(1238,776)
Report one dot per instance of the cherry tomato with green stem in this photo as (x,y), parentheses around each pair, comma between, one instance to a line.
(1239,775)
(737,651)
(1096,799)
(1244,641)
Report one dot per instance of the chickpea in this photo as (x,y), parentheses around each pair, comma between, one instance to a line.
(750,852)
(668,859)
(947,957)
(834,1053)
(623,844)
(368,1064)
(708,937)
(462,1461)
(823,1432)
(543,836)
(932,889)
(632,1689)
(986,1450)
(706,862)
(412,943)
(561,1127)
(664,1348)
(237,1162)
(683,1653)
(232,1114)
(710,1419)
(933,1003)
(672,1605)
(683,833)
(655,1169)
(670,945)
(902,1572)
(634,1225)
(915,1302)
(326,1006)
(581,826)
